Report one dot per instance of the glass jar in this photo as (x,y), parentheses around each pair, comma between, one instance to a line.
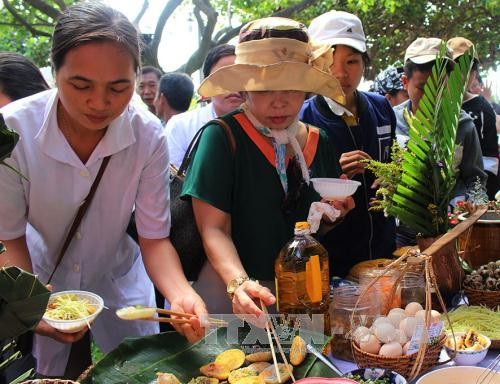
(302,280)
(344,308)
(412,289)
(384,294)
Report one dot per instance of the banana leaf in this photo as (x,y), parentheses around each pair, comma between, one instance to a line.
(136,360)
(23,300)
(8,140)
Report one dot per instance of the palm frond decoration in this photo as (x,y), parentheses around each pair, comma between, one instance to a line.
(8,141)
(424,176)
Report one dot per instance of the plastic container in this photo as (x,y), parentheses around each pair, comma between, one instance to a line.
(73,326)
(412,289)
(342,308)
(384,294)
(302,280)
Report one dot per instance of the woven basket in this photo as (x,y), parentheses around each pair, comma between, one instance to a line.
(490,299)
(401,364)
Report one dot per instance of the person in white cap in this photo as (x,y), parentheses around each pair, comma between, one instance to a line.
(419,59)
(483,115)
(362,129)
(246,202)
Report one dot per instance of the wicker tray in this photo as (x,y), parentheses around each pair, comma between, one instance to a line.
(490,299)
(401,364)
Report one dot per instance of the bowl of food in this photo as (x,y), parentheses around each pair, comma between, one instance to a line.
(322,380)
(454,375)
(375,376)
(71,311)
(470,349)
(334,189)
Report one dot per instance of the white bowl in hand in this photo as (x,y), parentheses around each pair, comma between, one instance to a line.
(76,311)
(335,189)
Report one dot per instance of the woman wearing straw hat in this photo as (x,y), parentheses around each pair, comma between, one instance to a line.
(246,202)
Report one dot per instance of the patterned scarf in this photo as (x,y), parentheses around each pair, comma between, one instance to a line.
(279,139)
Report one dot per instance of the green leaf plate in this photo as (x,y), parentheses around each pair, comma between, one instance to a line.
(136,360)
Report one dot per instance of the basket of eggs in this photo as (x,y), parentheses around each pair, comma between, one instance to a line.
(407,340)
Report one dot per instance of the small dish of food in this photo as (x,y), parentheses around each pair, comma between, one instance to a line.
(375,376)
(331,188)
(470,349)
(71,311)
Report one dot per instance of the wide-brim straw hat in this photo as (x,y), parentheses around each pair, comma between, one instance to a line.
(276,64)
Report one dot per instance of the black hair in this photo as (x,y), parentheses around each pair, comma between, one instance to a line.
(19,77)
(150,69)
(88,22)
(178,89)
(411,67)
(214,55)
(257,34)
(364,55)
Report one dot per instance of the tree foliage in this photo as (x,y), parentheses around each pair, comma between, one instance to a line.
(390,25)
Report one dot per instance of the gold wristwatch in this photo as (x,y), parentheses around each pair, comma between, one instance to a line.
(234,284)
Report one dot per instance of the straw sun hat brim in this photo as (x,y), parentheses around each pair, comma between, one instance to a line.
(282,76)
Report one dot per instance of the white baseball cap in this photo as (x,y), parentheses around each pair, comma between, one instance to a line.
(338,27)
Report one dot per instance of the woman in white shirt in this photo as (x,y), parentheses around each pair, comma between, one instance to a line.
(65,135)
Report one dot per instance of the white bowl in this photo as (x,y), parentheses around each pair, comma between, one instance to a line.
(456,375)
(329,188)
(466,357)
(72,326)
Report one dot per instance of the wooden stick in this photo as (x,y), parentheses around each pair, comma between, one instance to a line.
(273,353)
(166,320)
(211,320)
(456,231)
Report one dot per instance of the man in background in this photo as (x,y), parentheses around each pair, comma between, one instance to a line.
(174,95)
(147,85)
(181,128)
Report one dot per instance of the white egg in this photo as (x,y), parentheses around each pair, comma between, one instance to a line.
(400,336)
(385,332)
(412,308)
(361,333)
(391,349)
(408,325)
(396,315)
(370,345)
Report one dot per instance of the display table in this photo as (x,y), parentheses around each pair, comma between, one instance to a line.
(346,366)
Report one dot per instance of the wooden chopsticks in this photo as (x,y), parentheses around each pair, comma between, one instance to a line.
(183,318)
(270,330)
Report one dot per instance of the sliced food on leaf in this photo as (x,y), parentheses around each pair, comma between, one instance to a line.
(218,370)
(203,380)
(166,378)
(259,356)
(231,358)
(270,377)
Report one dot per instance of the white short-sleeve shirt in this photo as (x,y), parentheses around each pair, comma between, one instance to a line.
(101,257)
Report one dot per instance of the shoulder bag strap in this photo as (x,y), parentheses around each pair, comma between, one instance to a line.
(192,145)
(79,215)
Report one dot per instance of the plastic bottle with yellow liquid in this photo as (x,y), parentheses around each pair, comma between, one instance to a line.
(302,279)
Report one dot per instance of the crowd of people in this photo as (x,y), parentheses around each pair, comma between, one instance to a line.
(290,97)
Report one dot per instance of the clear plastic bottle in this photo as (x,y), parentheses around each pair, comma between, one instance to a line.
(344,309)
(302,278)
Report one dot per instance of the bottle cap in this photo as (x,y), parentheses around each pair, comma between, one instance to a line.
(302,225)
